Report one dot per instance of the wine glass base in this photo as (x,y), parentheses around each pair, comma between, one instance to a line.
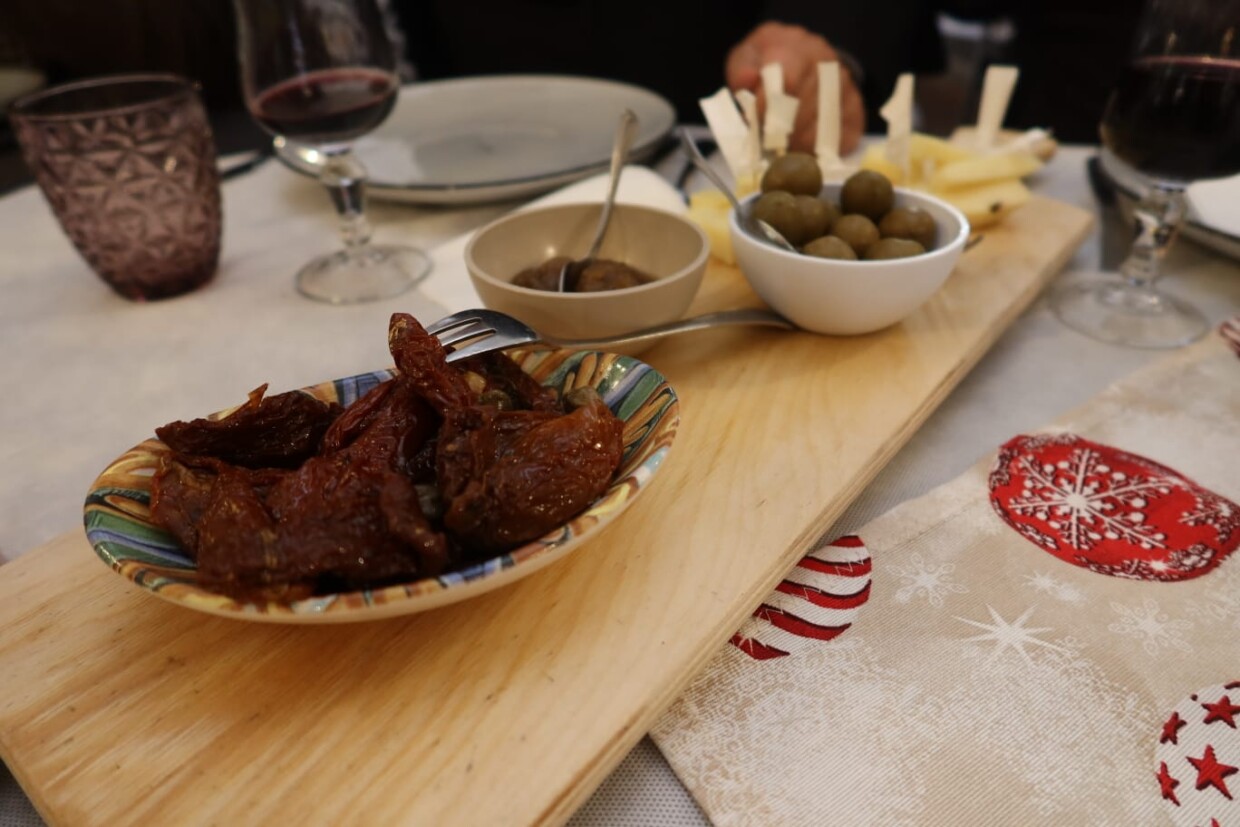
(368,274)
(1125,315)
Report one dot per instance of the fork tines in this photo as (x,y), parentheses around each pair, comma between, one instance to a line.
(460,327)
(472,332)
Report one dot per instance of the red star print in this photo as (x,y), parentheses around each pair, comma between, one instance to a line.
(1168,784)
(1221,710)
(1171,729)
(1210,773)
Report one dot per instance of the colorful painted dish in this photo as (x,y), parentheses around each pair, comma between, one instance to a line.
(119,527)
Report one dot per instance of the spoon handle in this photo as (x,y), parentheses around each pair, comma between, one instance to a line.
(619,154)
(723,318)
(756,226)
(706,169)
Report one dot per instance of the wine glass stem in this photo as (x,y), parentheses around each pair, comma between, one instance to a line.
(1158,215)
(345,179)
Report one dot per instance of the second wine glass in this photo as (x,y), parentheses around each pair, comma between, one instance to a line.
(322,73)
(1174,118)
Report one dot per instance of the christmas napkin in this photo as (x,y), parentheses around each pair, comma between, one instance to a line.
(1052,638)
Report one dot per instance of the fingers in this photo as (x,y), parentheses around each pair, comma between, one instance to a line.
(743,67)
(799,52)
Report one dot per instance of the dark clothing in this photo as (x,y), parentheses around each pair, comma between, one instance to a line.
(674,47)
(1070,54)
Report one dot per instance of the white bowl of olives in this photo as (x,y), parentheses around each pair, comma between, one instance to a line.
(868,254)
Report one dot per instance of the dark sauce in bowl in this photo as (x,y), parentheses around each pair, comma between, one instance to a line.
(599,275)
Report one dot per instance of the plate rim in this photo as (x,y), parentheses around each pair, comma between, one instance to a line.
(412,597)
(1218,240)
(514,186)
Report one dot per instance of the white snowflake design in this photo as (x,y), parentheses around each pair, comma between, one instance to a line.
(1218,513)
(1086,501)
(1046,584)
(1000,471)
(1151,626)
(1013,635)
(1035,536)
(1194,557)
(928,580)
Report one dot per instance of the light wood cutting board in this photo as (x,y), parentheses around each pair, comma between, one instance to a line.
(118,708)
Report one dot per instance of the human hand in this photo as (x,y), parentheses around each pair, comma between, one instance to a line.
(799,51)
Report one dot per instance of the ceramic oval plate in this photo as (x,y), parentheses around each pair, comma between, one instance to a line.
(480,139)
(119,526)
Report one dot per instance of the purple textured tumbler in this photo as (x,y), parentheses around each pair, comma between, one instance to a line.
(127,163)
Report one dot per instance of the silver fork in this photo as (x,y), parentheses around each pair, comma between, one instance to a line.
(473,332)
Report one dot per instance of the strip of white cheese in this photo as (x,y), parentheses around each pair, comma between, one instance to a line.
(730,131)
(781,110)
(997,89)
(898,113)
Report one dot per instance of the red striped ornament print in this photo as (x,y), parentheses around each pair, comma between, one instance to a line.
(816,602)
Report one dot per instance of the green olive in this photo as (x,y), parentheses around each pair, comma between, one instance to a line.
(794,172)
(868,193)
(816,214)
(911,223)
(857,230)
(829,246)
(780,210)
(893,248)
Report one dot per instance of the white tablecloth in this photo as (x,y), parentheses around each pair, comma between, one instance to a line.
(89,373)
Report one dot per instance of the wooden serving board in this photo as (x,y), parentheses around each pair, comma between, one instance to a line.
(508,709)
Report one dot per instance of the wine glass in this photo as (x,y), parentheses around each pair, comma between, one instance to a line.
(322,73)
(1173,118)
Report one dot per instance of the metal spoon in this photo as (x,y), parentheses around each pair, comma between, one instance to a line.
(754,225)
(625,133)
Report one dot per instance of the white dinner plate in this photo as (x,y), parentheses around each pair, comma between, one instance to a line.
(1213,206)
(478,139)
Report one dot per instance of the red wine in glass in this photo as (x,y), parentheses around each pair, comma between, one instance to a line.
(327,106)
(1173,118)
(1177,118)
(318,74)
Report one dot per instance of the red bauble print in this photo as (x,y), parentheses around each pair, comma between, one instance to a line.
(1110,511)
(816,602)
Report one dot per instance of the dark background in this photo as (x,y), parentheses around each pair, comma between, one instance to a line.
(1069,52)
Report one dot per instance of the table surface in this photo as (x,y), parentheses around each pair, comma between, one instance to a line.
(92,373)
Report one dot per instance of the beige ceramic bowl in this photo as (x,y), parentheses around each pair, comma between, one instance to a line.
(660,243)
(851,297)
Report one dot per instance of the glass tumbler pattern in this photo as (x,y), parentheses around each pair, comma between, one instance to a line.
(127,164)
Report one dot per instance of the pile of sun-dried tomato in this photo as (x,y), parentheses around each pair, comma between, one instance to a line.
(439,467)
